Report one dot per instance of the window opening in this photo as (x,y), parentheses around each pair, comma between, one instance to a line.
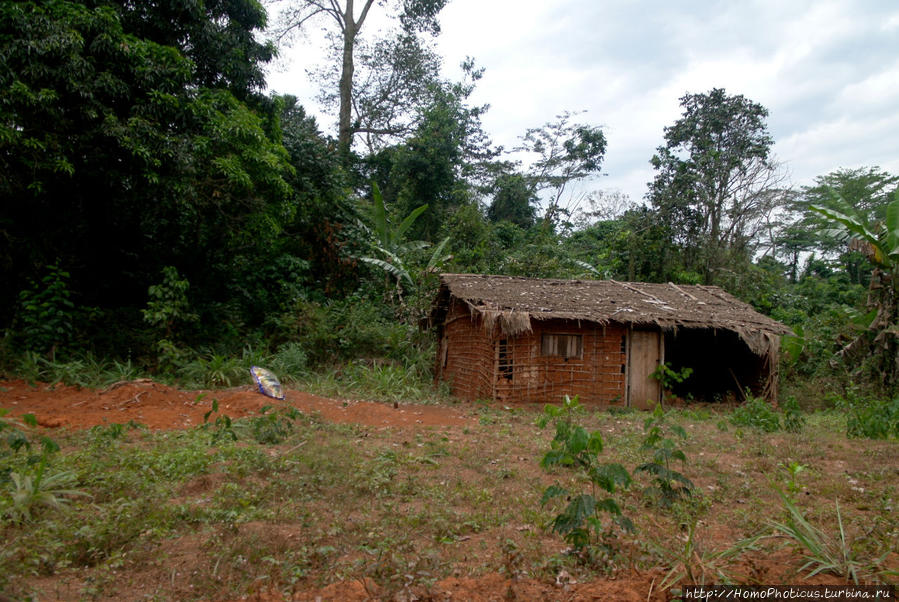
(562,345)
(505,359)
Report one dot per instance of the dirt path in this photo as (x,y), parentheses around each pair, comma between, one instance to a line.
(162,407)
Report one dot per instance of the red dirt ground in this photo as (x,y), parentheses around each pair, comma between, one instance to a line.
(162,407)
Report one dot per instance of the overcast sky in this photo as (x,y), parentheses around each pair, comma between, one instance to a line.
(827,71)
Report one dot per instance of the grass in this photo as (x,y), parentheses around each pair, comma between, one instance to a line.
(824,553)
(295,503)
(382,380)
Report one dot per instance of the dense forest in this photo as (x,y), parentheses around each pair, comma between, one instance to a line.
(162,213)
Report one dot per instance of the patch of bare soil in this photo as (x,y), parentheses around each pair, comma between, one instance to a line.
(494,587)
(183,566)
(162,407)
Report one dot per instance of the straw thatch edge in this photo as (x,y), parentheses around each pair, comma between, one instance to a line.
(760,333)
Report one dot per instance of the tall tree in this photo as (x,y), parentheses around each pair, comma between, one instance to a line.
(441,163)
(415,16)
(217,36)
(715,178)
(513,201)
(394,78)
(120,156)
(565,153)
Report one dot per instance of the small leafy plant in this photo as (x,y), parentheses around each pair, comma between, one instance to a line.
(793,470)
(47,312)
(222,428)
(668,485)
(273,427)
(669,377)
(580,523)
(42,489)
(757,413)
(35,486)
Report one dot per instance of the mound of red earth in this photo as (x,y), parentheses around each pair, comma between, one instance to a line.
(162,407)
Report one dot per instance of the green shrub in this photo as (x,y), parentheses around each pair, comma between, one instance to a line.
(213,370)
(793,418)
(757,413)
(47,313)
(290,361)
(869,417)
(355,327)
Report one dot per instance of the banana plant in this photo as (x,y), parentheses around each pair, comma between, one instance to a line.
(388,242)
(387,237)
(879,242)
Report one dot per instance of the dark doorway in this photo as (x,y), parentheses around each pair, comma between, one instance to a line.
(723,366)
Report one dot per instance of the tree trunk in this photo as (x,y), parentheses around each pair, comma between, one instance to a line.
(345,127)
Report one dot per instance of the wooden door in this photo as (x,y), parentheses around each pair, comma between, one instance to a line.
(644,355)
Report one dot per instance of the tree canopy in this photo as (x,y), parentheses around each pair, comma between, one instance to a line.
(397,68)
(714,178)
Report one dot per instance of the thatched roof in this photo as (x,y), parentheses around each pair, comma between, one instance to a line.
(512,302)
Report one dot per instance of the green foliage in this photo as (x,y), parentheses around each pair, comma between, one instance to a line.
(757,413)
(79,370)
(270,427)
(878,241)
(222,429)
(213,370)
(33,486)
(168,303)
(574,448)
(47,312)
(864,192)
(340,330)
(669,485)
(793,470)
(793,418)
(668,377)
(30,492)
(290,361)
(135,138)
(714,167)
(823,553)
(869,417)
(513,201)
(389,243)
(566,152)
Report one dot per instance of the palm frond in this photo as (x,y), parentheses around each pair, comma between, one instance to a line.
(407,223)
(436,257)
(397,272)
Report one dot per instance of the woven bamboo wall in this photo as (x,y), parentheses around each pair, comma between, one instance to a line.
(513,369)
(598,376)
(467,356)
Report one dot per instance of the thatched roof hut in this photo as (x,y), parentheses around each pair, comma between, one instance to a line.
(686,320)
